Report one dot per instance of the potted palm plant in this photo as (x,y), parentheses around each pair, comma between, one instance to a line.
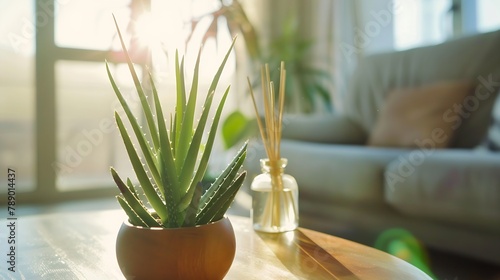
(175,229)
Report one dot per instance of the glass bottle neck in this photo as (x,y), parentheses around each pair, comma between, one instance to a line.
(278,166)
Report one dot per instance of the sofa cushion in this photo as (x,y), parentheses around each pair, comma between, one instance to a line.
(473,58)
(412,115)
(328,172)
(323,128)
(459,187)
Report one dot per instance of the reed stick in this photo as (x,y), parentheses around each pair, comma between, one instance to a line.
(270,132)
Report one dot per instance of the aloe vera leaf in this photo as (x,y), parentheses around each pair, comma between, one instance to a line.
(216,190)
(168,170)
(222,210)
(192,209)
(145,147)
(217,75)
(202,166)
(172,195)
(172,129)
(171,124)
(194,148)
(180,107)
(186,199)
(140,172)
(132,216)
(140,92)
(134,203)
(166,157)
(232,168)
(132,188)
(223,180)
(186,133)
(228,174)
(221,200)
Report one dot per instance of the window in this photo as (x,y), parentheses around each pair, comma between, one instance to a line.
(425,22)
(420,23)
(17,93)
(487,15)
(56,118)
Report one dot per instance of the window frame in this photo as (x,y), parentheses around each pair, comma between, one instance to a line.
(47,54)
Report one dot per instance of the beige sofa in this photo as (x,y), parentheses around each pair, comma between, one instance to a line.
(448,197)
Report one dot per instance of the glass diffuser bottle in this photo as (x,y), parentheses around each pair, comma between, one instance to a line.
(274,193)
(274,198)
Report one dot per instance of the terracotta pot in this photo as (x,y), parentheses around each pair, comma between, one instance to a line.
(201,252)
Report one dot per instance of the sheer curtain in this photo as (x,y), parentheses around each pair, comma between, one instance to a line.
(336,28)
(314,20)
(344,49)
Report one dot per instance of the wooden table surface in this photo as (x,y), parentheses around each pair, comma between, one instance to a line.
(81,245)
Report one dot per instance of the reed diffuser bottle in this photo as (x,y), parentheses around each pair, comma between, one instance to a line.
(274,198)
(274,193)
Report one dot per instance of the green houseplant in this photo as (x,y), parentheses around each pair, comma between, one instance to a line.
(172,223)
(307,85)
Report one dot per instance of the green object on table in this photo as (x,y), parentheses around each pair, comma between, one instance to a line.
(404,245)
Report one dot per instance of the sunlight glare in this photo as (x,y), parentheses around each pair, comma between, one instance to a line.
(145,30)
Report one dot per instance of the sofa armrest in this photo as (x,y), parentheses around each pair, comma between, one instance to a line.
(323,128)
(458,186)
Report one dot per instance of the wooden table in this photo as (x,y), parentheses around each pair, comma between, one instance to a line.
(81,245)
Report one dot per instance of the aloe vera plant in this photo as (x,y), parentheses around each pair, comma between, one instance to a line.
(171,165)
